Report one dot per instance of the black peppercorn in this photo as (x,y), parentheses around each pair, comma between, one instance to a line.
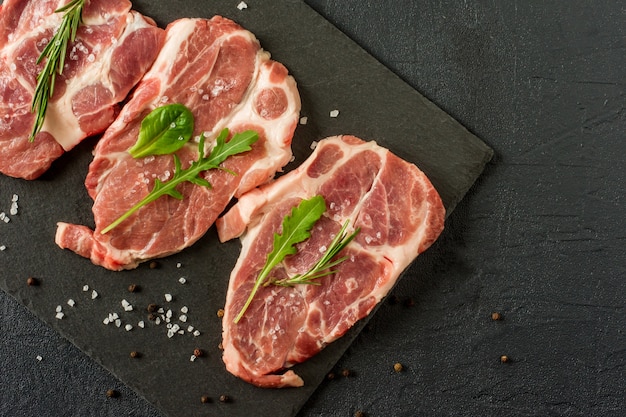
(154,265)
(346,373)
(111,393)
(224,398)
(133,288)
(198,352)
(31,281)
(205,399)
(152,308)
(134,354)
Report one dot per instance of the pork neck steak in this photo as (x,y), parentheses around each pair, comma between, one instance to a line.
(219,71)
(113,49)
(400,215)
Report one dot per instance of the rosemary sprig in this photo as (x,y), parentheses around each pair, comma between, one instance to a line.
(324,265)
(295,229)
(239,143)
(54,52)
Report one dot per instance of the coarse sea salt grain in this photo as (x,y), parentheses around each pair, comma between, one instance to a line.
(59,309)
(242,5)
(129,327)
(59,315)
(39,358)
(168,297)
(184,309)
(94,294)
(334,113)
(71,303)
(196,333)
(193,358)
(304,120)
(182,280)
(190,329)
(178,265)
(118,323)
(85,288)
(141,324)
(3,247)
(106,321)
(183,318)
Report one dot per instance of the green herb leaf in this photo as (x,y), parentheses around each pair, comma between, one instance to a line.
(296,228)
(324,265)
(55,52)
(165,130)
(239,143)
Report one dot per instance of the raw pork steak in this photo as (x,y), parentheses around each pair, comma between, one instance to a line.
(114,47)
(218,70)
(400,215)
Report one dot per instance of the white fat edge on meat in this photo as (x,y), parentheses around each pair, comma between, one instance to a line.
(66,130)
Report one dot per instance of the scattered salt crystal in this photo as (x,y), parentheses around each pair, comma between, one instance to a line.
(114,316)
(13,210)
(106,320)
(71,303)
(141,324)
(168,314)
(178,265)
(3,247)
(39,358)
(15,198)
(168,297)
(334,113)
(190,329)
(129,327)
(242,5)
(2,215)
(184,309)
(7,219)
(196,333)
(304,120)
(94,294)
(59,315)
(183,318)
(182,280)
(181,332)
(118,323)
(160,310)
(169,325)
(175,328)
(59,309)
(170,333)
(193,358)
(157,321)
(313,145)
(85,288)
(127,306)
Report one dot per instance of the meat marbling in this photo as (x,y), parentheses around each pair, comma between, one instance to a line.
(219,71)
(113,49)
(400,215)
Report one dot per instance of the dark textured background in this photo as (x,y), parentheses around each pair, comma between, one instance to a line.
(539,238)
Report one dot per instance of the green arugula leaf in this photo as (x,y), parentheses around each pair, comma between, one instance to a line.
(164,130)
(239,143)
(296,228)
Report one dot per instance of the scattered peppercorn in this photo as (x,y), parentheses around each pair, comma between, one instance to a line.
(496,316)
(346,373)
(220,313)
(198,352)
(154,265)
(133,288)
(111,393)
(205,399)
(359,413)
(393,299)
(504,359)
(152,317)
(409,302)
(152,308)
(398,367)
(330,376)
(224,398)
(134,354)
(31,281)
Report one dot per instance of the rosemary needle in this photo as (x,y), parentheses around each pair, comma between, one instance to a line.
(54,53)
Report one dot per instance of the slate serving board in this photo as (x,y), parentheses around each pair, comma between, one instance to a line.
(332,73)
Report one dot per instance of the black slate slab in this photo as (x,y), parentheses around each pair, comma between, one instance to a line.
(332,73)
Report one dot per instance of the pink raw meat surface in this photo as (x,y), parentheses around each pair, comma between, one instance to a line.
(219,71)
(400,215)
(113,49)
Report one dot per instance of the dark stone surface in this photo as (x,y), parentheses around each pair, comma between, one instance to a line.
(539,237)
